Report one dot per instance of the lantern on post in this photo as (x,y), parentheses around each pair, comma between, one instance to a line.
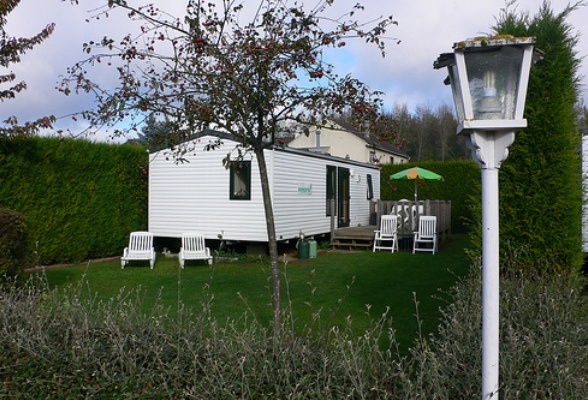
(489,78)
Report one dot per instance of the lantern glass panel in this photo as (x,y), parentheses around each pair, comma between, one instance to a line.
(456,89)
(493,75)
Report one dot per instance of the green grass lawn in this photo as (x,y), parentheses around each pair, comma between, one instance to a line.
(339,284)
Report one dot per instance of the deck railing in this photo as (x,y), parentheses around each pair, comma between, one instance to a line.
(410,211)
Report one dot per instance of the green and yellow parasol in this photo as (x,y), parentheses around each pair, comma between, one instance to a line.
(416,174)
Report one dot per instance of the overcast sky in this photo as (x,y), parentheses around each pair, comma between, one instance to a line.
(425,29)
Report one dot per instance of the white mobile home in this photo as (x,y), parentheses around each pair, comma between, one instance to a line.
(202,195)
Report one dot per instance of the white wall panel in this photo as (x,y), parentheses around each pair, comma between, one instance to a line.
(194,196)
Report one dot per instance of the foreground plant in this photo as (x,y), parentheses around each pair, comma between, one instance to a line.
(55,345)
(543,343)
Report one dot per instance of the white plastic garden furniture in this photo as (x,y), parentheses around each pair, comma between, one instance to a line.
(140,249)
(425,239)
(193,248)
(388,232)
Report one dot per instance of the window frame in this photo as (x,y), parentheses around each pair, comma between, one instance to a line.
(234,171)
(331,191)
(370,187)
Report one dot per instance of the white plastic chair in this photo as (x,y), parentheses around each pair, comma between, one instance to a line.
(140,248)
(426,235)
(388,232)
(403,211)
(193,248)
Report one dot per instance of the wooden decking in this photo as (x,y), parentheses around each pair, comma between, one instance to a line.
(354,238)
(362,237)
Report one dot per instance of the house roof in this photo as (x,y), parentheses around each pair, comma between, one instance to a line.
(374,141)
(275,146)
(206,132)
(371,141)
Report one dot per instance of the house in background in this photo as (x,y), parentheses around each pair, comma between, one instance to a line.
(310,192)
(340,142)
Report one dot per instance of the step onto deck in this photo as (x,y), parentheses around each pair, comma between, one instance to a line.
(357,238)
(340,243)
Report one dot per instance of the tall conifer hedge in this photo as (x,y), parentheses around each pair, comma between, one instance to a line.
(80,199)
(540,182)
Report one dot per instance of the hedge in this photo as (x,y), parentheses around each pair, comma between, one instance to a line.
(13,243)
(541,181)
(80,199)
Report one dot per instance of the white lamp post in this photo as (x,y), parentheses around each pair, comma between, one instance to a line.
(489,78)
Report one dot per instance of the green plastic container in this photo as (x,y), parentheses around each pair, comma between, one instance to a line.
(312,249)
(303,249)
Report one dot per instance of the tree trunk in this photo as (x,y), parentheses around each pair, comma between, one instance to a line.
(272,241)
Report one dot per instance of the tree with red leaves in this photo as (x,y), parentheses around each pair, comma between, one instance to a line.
(11,50)
(211,69)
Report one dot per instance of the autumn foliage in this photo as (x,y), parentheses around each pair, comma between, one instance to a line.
(11,50)
(250,69)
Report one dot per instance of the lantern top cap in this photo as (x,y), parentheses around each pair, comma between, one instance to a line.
(486,43)
(493,41)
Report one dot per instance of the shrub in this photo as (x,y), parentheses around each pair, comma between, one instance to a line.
(13,243)
(114,350)
(54,345)
(543,342)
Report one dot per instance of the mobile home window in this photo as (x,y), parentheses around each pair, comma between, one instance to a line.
(240,181)
(370,187)
(331,190)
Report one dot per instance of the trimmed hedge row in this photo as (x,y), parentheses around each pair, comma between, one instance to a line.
(80,199)
(13,243)
(461,185)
